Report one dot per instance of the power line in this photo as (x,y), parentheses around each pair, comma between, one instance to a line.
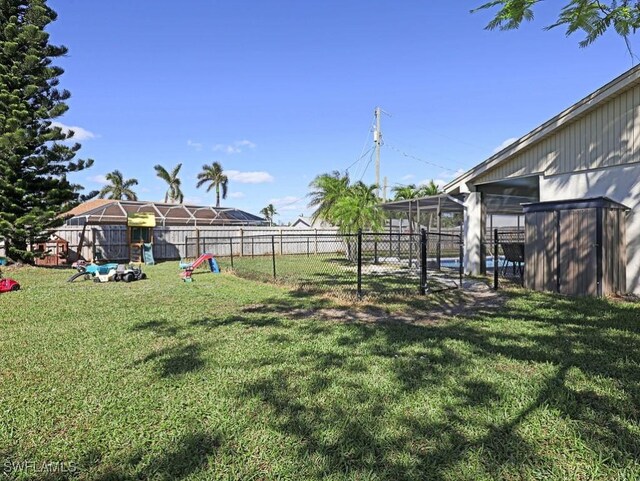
(452,162)
(433,164)
(359,159)
(364,146)
(367,166)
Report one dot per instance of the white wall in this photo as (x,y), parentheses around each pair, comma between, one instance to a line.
(474,225)
(619,183)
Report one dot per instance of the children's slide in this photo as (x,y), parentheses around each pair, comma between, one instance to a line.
(213,265)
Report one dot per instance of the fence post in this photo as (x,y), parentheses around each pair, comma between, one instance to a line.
(460,259)
(252,246)
(316,243)
(375,251)
(231,250)
(198,253)
(308,247)
(93,244)
(281,251)
(439,225)
(359,290)
(273,255)
(495,259)
(241,242)
(423,262)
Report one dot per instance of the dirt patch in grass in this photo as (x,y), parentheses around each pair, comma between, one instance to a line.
(475,300)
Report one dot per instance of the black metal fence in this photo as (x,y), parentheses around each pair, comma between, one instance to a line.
(365,263)
(507,257)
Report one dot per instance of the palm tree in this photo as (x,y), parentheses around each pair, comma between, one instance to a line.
(174,193)
(119,188)
(429,189)
(359,208)
(269,212)
(405,192)
(214,176)
(327,190)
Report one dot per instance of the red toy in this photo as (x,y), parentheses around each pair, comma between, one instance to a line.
(8,285)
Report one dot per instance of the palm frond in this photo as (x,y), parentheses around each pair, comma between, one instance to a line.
(176,171)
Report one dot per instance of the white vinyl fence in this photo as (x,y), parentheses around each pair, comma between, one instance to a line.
(171,243)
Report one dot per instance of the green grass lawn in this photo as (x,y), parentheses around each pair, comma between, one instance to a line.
(227,378)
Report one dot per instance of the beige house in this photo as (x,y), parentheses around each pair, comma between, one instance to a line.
(591,149)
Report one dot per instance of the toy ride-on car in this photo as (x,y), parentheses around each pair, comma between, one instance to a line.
(128,273)
(8,285)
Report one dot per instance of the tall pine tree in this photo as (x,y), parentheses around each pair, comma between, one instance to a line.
(34,158)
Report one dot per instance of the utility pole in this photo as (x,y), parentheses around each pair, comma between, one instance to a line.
(384,189)
(377,138)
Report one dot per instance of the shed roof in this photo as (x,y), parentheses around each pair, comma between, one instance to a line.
(117,211)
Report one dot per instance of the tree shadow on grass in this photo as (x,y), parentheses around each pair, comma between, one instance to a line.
(159,328)
(562,340)
(209,323)
(187,455)
(341,400)
(176,360)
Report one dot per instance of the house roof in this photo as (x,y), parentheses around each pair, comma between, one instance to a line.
(87,206)
(627,80)
(117,212)
(303,220)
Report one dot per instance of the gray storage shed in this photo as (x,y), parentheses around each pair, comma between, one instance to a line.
(576,247)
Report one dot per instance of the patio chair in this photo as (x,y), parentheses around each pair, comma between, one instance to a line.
(514,255)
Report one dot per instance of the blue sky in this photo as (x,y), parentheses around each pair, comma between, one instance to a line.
(280,91)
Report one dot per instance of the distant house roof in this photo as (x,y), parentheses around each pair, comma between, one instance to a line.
(302,222)
(105,211)
(87,206)
(308,222)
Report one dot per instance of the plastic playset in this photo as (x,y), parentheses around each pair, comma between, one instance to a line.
(189,267)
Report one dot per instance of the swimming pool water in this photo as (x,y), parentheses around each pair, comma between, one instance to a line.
(455,263)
